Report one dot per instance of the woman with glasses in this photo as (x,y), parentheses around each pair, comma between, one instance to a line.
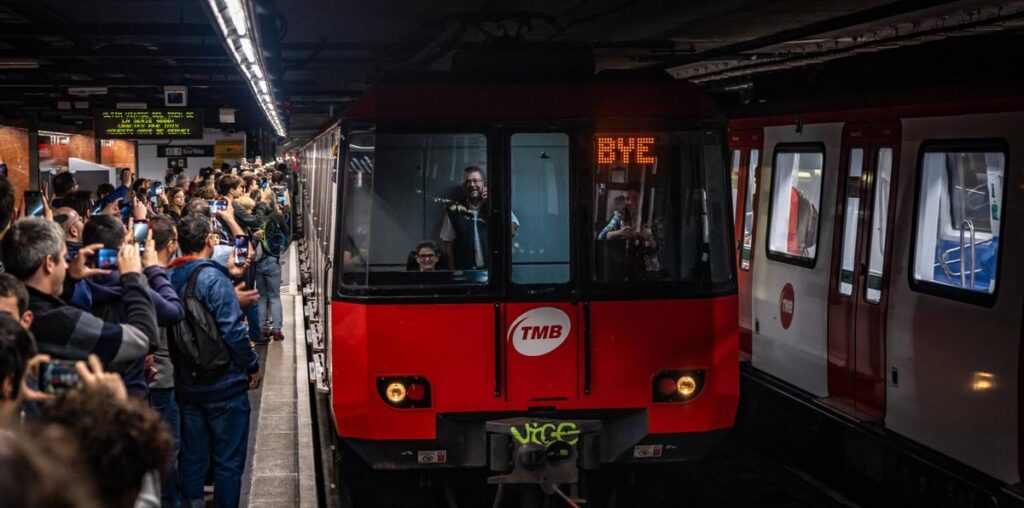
(426,256)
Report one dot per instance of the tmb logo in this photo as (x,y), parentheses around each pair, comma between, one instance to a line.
(787,305)
(539,331)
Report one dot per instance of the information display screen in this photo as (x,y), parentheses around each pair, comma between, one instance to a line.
(150,124)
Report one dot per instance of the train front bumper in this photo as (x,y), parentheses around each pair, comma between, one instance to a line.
(492,440)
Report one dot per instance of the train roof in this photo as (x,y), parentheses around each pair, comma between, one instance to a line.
(524,101)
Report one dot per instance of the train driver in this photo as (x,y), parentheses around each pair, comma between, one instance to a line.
(641,243)
(464,230)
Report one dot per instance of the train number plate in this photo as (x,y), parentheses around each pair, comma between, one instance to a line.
(647,451)
(432,457)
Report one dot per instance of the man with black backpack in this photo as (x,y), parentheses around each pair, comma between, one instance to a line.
(214,364)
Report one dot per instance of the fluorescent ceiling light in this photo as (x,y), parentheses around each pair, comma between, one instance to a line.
(243,42)
(19,63)
(247,49)
(237,14)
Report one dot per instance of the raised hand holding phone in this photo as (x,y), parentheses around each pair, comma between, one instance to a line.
(94,377)
(28,391)
(149,257)
(32,204)
(128,259)
(79,267)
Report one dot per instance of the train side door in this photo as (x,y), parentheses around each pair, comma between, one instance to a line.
(745,155)
(541,328)
(859,276)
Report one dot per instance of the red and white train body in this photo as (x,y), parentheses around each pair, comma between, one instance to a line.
(879,271)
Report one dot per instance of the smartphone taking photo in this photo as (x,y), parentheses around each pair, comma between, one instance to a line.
(241,249)
(140,232)
(106,259)
(58,376)
(34,203)
(217,205)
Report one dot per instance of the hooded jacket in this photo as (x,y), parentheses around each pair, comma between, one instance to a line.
(216,293)
(102,296)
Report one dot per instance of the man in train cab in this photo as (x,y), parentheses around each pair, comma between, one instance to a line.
(624,222)
(464,231)
(625,225)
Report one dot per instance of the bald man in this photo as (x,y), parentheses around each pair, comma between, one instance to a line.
(72,224)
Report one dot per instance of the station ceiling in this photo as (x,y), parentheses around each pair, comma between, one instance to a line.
(321,54)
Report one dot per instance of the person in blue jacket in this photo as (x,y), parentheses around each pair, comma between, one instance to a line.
(214,413)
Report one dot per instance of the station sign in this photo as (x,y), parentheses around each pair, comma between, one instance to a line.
(149,124)
(184,151)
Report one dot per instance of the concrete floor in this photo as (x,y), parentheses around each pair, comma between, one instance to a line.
(280,437)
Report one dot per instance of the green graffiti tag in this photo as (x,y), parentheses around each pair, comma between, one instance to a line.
(545,434)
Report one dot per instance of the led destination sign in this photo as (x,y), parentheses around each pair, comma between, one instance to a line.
(150,124)
(625,149)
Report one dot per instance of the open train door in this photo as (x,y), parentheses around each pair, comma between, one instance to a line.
(858,289)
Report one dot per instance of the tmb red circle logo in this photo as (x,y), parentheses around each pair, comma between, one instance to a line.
(787,305)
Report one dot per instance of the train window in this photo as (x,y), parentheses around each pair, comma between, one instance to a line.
(415,211)
(959,209)
(734,178)
(851,218)
(660,211)
(540,208)
(748,210)
(879,223)
(795,204)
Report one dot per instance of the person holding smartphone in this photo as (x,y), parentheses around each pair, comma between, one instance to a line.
(102,295)
(33,251)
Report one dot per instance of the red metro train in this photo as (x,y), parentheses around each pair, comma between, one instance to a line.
(535,279)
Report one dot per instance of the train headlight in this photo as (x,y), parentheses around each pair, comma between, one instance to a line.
(677,385)
(396,392)
(406,392)
(686,386)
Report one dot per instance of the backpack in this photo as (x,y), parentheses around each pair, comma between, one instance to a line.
(275,235)
(195,341)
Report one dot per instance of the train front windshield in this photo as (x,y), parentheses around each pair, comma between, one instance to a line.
(421,209)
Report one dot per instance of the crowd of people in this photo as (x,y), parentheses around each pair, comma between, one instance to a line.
(129,320)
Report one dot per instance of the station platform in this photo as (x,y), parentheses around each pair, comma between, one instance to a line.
(280,470)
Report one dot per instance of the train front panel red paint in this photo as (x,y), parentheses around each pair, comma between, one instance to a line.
(453,347)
